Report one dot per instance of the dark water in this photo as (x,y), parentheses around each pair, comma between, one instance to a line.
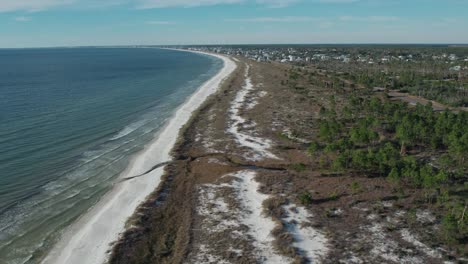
(69,121)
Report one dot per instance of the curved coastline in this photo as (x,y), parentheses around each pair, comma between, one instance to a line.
(89,239)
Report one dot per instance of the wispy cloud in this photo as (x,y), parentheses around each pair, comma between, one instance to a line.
(286,19)
(323,22)
(146,4)
(326,24)
(23,19)
(336,1)
(278,3)
(370,18)
(31,5)
(160,22)
(40,5)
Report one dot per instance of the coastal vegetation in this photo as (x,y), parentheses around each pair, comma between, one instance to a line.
(365,132)
(423,72)
(329,155)
(437,72)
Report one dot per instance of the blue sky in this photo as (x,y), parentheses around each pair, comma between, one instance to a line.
(41,23)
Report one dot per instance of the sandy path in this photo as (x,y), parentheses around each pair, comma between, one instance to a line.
(259,147)
(413,100)
(89,239)
(235,209)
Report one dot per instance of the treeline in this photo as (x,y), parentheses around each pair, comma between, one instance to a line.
(431,80)
(410,146)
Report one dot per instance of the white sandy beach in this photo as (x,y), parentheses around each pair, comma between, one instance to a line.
(89,239)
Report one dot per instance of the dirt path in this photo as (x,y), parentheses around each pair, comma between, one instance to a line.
(413,100)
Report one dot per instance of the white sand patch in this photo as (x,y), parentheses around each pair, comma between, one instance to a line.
(336,212)
(311,243)
(238,252)
(253,99)
(216,161)
(372,217)
(208,144)
(425,217)
(258,146)
(250,105)
(212,115)
(355,259)
(288,133)
(400,213)
(387,204)
(260,226)
(88,240)
(207,141)
(388,249)
(198,137)
(219,217)
(216,211)
(276,125)
(206,137)
(361,208)
(352,259)
(410,238)
(204,257)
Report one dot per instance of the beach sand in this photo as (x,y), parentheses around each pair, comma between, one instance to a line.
(90,239)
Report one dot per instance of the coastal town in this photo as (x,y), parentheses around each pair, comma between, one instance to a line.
(433,72)
(344,54)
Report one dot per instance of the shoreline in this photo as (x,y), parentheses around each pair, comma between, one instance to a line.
(90,238)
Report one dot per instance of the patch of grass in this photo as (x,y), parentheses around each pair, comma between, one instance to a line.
(390,227)
(283,136)
(411,217)
(313,148)
(355,187)
(329,213)
(305,198)
(299,167)
(450,227)
(333,196)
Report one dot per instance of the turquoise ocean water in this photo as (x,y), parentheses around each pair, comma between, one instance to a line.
(70,119)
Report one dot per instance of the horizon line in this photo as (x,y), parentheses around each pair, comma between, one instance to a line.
(251,44)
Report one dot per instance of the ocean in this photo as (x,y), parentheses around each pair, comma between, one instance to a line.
(70,120)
